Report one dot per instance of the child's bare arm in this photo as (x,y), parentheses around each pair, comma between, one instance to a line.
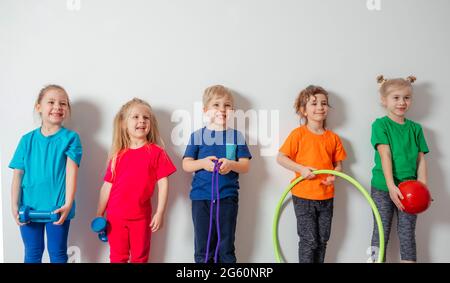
(422,168)
(386,164)
(103,199)
(71,188)
(15,194)
(289,164)
(191,165)
(163,192)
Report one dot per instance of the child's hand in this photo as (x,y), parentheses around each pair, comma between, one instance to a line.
(15,214)
(208,163)
(307,173)
(225,167)
(64,210)
(157,222)
(329,180)
(396,196)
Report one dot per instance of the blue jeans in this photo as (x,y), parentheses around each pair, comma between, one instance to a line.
(33,239)
(228,211)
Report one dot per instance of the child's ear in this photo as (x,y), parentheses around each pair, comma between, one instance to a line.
(383,100)
(37,108)
(303,111)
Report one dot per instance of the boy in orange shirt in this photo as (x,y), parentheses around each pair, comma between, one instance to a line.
(308,148)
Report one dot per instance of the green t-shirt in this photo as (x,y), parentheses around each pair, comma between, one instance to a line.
(405,141)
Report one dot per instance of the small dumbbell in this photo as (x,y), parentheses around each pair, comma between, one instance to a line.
(26,214)
(98,225)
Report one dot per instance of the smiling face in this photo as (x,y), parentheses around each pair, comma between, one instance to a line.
(316,108)
(218,111)
(53,107)
(397,102)
(138,122)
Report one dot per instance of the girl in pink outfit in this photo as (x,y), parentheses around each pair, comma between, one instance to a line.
(135,164)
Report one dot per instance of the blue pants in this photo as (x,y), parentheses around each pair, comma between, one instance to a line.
(228,211)
(33,239)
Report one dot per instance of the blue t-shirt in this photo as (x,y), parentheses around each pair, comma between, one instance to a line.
(228,144)
(43,161)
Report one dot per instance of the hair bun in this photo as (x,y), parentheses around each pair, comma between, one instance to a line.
(411,79)
(380,79)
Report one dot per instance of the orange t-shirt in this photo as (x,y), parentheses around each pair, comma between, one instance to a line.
(318,151)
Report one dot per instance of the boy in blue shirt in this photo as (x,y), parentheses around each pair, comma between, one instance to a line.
(216,143)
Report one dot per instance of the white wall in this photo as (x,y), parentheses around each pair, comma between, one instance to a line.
(1,218)
(168,51)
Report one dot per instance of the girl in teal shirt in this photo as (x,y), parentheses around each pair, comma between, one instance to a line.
(45,167)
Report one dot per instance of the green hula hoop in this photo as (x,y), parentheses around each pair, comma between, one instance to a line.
(276,243)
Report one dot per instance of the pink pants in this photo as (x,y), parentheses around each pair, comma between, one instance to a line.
(129,237)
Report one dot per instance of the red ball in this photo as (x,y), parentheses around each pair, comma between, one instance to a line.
(416,197)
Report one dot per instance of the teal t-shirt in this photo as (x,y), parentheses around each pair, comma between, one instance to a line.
(43,161)
(405,141)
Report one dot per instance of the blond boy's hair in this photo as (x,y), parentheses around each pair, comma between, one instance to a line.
(216,91)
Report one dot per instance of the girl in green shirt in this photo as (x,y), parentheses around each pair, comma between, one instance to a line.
(400,149)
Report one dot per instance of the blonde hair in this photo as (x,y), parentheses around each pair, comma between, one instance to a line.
(304,96)
(388,85)
(121,139)
(216,91)
(46,88)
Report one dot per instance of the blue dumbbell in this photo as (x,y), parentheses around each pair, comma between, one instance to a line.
(98,225)
(26,214)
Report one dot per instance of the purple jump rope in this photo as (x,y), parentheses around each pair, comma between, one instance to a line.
(215,177)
